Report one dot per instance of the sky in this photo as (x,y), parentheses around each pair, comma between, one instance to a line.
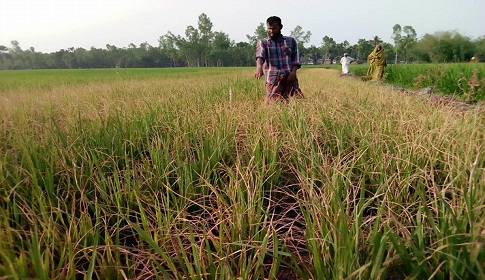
(52,25)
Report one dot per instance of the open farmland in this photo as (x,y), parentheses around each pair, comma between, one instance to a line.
(188,174)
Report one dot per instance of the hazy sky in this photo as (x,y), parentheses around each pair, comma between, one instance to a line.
(51,25)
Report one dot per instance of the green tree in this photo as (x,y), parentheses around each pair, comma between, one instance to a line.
(168,46)
(82,58)
(328,47)
(364,47)
(313,53)
(464,48)
(190,46)
(427,48)
(17,55)
(342,48)
(377,40)
(480,48)
(445,51)
(69,59)
(259,34)
(397,37)
(143,57)
(404,43)
(386,47)
(447,46)
(114,55)
(301,38)
(55,60)
(408,41)
(206,37)
(98,58)
(243,54)
(220,49)
(5,58)
(195,47)
(158,57)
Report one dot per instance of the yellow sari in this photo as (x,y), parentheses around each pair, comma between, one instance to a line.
(377,62)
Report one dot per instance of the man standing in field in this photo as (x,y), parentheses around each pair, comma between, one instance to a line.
(345,61)
(279,57)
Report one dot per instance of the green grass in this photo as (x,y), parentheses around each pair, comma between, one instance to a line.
(47,79)
(189,174)
(465,80)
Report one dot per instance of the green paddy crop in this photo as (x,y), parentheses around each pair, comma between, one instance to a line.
(188,174)
(463,80)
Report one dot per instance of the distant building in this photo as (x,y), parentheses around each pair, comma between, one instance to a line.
(307,61)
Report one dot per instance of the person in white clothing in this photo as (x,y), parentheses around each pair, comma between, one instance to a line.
(345,61)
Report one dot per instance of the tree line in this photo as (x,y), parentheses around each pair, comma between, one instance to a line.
(202,47)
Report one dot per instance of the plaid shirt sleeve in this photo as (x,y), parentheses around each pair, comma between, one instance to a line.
(260,46)
(295,55)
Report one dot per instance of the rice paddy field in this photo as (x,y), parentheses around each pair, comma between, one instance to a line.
(463,80)
(188,174)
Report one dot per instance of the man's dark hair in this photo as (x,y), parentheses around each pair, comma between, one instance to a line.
(274,19)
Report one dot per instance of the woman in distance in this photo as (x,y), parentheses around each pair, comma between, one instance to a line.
(377,63)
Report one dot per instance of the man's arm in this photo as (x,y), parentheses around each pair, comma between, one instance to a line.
(259,68)
(292,75)
(260,56)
